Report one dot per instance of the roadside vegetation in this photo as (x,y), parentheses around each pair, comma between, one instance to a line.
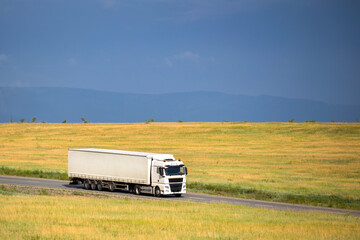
(310,163)
(34,173)
(221,189)
(12,189)
(29,216)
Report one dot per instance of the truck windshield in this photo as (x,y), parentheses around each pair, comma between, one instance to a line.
(175,171)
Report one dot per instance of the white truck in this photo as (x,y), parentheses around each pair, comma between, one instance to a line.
(137,172)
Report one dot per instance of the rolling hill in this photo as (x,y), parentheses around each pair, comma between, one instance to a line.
(58,104)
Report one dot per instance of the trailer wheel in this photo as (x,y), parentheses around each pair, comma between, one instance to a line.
(99,186)
(112,187)
(137,190)
(86,185)
(93,185)
(157,192)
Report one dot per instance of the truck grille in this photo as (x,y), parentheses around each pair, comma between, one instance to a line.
(175,180)
(176,187)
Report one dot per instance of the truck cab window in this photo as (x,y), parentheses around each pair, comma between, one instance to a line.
(175,171)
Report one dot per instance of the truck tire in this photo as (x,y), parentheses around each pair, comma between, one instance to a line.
(99,186)
(137,190)
(157,192)
(86,185)
(93,185)
(178,195)
(112,187)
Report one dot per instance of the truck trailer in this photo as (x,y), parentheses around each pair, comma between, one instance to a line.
(137,172)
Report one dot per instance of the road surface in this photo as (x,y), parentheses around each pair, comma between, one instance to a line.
(195,197)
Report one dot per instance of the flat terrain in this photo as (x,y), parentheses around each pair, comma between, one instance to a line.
(194,197)
(24,216)
(318,159)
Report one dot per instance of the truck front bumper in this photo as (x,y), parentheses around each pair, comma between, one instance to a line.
(168,190)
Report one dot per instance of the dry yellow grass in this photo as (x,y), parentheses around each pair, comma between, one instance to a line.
(303,158)
(50,217)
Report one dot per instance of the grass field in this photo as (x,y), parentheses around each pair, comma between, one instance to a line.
(77,217)
(300,159)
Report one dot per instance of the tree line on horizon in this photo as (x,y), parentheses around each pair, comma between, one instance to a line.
(33,120)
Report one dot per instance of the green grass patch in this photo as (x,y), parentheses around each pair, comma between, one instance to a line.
(34,173)
(10,191)
(252,193)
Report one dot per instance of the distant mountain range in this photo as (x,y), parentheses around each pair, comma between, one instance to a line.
(58,104)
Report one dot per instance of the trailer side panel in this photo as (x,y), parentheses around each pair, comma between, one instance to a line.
(109,166)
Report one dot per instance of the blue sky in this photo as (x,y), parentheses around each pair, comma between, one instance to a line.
(289,48)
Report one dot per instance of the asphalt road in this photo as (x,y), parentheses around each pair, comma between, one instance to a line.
(194,197)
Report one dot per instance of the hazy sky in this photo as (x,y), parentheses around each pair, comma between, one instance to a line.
(290,48)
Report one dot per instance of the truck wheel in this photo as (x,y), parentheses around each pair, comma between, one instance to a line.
(112,187)
(178,195)
(93,185)
(86,185)
(157,192)
(99,186)
(137,190)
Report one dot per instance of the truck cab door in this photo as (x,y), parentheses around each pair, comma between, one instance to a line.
(155,175)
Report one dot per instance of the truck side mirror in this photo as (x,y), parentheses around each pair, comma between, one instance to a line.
(186,171)
(161,171)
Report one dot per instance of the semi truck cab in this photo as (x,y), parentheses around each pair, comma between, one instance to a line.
(168,176)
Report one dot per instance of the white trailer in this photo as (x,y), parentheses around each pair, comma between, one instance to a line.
(138,172)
